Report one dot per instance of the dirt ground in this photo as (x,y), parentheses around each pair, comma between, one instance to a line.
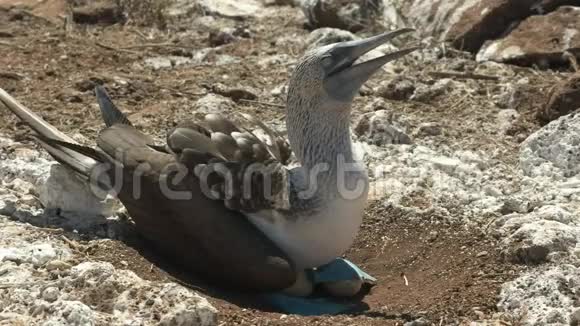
(454,273)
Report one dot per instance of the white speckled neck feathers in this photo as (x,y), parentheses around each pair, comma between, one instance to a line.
(318,134)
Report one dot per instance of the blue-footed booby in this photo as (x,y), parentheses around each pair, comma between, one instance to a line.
(221,201)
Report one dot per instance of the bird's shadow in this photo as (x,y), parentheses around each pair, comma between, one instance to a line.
(247,300)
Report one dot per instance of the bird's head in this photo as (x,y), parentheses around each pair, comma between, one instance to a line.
(329,75)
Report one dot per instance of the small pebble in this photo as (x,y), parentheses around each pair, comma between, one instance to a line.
(51,294)
(57,265)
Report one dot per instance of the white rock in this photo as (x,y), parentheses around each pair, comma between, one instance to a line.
(20,186)
(279,60)
(231,8)
(31,171)
(50,294)
(176,305)
(327,35)
(70,313)
(14,319)
(167,62)
(179,8)
(379,128)
(532,237)
(280,90)
(36,254)
(543,296)
(494,69)
(533,242)
(212,103)
(425,93)
(65,191)
(95,293)
(506,118)
(206,22)
(392,14)
(553,151)
(28,200)
(445,164)
(57,265)
(437,17)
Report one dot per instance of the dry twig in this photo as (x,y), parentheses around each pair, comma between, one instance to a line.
(155,45)
(264,103)
(71,243)
(446,74)
(175,90)
(10,44)
(11,75)
(107,47)
(573,61)
(405,279)
(4,286)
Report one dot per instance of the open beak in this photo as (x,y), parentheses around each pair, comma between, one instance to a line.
(345,79)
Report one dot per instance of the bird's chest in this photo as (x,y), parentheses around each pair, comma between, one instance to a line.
(316,239)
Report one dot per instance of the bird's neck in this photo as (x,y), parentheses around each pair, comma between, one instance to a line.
(321,139)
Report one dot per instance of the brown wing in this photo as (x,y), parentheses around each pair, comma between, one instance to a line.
(244,171)
(195,231)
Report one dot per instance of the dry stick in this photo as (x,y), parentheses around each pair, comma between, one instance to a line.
(405,279)
(72,244)
(4,286)
(138,33)
(573,61)
(115,49)
(11,75)
(10,44)
(31,14)
(489,224)
(155,45)
(459,102)
(263,103)
(443,74)
(175,90)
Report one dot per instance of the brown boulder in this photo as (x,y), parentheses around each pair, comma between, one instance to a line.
(564,99)
(101,12)
(468,24)
(486,20)
(538,40)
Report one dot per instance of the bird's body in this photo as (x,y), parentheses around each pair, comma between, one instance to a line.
(246,220)
(314,239)
(327,197)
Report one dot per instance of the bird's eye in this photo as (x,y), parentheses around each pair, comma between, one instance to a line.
(327,61)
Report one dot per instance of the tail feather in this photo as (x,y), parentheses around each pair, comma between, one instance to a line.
(111,114)
(50,137)
(85,150)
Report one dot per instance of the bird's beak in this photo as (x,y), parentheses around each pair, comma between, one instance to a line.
(345,79)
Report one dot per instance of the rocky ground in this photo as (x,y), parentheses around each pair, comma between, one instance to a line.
(472,145)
